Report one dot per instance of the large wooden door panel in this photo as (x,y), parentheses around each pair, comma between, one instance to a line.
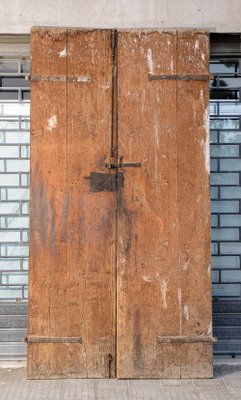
(72,245)
(119,281)
(163,280)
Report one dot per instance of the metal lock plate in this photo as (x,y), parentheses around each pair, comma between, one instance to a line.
(105,182)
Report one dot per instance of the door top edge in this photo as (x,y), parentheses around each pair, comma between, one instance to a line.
(132,30)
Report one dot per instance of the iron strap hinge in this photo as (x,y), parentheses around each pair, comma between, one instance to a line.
(46,339)
(180,77)
(186,339)
(60,78)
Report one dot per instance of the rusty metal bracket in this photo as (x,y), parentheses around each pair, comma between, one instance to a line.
(105,182)
(45,339)
(186,339)
(110,360)
(123,165)
(180,77)
(82,79)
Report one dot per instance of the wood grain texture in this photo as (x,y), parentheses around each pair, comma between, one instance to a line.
(163,275)
(72,233)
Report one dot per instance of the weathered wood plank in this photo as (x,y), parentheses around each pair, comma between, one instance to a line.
(148,271)
(193,203)
(48,246)
(91,215)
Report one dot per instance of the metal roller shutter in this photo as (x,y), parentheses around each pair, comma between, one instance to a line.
(225,124)
(14,194)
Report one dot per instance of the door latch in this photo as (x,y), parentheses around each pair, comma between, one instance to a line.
(122,164)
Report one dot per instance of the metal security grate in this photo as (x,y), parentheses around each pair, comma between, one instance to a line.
(225,125)
(14,203)
(13,83)
(14,177)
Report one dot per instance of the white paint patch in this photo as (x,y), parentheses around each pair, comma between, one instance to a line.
(206,119)
(203,56)
(143,100)
(185,266)
(205,144)
(84,79)
(210,329)
(196,45)
(201,95)
(146,278)
(186,312)
(150,61)
(156,144)
(63,53)
(179,296)
(105,87)
(52,123)
(171,65)
(157,138)
(164,289)
(209,271)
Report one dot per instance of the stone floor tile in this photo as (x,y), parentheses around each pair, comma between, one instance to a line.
(181,393)
(226,385)
(216,393)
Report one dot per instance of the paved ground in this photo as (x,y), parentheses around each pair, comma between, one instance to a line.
(226,385)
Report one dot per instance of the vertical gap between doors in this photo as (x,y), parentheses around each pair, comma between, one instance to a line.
(114,158)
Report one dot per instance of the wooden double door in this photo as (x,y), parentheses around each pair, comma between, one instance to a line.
(119,280)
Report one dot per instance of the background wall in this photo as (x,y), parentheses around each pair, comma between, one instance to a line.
(216,15)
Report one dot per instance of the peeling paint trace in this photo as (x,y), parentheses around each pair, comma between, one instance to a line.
(52,123)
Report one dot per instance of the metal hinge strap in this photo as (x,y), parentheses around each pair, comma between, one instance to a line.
(180,77)
(186,339)
(44,339)
(82,79)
